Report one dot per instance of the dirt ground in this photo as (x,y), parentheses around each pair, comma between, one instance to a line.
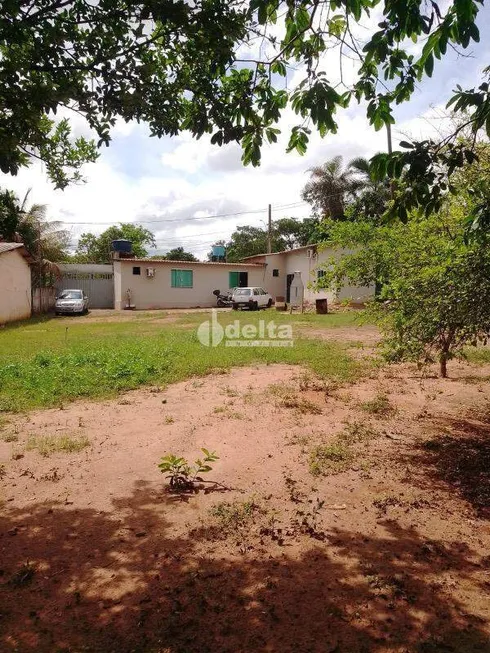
(385,550)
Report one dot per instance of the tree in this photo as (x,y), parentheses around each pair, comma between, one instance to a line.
(46,241)
(330,187)
(106,60)
(97,249)
(287,233)
(436,284)
(179,254)
(250,241)
(371,202)
(297,233)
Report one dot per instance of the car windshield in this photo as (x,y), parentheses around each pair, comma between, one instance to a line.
(71,294)
(242,291)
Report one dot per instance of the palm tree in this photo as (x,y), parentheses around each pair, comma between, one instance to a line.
(329,187)
(372,201)
(45,240)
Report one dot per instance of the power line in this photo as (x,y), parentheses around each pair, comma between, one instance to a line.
(192,218)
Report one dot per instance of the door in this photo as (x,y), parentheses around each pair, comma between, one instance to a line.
(238,279)
(289,281)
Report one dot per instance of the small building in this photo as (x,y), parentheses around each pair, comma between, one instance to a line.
(15,282)
(281,266)
(153,283)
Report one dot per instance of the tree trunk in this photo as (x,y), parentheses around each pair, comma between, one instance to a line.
(443,364)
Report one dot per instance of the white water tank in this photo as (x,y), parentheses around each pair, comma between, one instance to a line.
(297,291)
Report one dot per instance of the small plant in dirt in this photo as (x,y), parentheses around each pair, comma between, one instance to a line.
(183,476)
(48,444)
(380,406)
(24,575)
(330,458)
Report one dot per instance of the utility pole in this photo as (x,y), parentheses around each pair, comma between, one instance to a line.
(390,151)
(269,230)
(40,254)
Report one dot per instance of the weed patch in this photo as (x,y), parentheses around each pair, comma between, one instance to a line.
(9,437)
(357,432)
(301,404)
(49,444)
(330,458)
(380,406)
(233,515)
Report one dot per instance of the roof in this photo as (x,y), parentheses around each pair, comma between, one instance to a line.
(10,247)
(284,251)
(158,260)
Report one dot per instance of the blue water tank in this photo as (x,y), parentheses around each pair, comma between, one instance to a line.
(218,251)
(123,246)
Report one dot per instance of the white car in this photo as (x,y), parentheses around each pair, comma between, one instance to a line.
(71,301)
(252,297)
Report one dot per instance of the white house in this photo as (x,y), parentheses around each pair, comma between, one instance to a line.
(149,283)
(281,266)
(15,282)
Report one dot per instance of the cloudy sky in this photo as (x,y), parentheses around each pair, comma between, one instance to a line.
(175,186)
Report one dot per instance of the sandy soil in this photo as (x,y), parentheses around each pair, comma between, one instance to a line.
(392,554)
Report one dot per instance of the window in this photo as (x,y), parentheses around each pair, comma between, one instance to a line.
(137,270)
(256,291)
(275,272)
(182,278)
(71,294)
(320,274)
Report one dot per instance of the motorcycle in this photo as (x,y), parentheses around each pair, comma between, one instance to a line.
(222,299)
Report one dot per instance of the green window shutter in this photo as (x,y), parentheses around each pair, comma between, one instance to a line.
(187,278)
(181,278)
(234,279)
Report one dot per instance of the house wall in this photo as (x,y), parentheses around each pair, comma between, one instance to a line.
(15,287)
(157,292)
(298,261)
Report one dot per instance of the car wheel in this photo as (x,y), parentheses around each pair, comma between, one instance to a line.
(269,303)
(255,306)
(235,307)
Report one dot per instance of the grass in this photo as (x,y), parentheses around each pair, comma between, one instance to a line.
(51,361)
(478,355)
(48,444)
(330,458)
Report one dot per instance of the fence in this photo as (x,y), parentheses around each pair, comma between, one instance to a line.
(43,300)
(97,281)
